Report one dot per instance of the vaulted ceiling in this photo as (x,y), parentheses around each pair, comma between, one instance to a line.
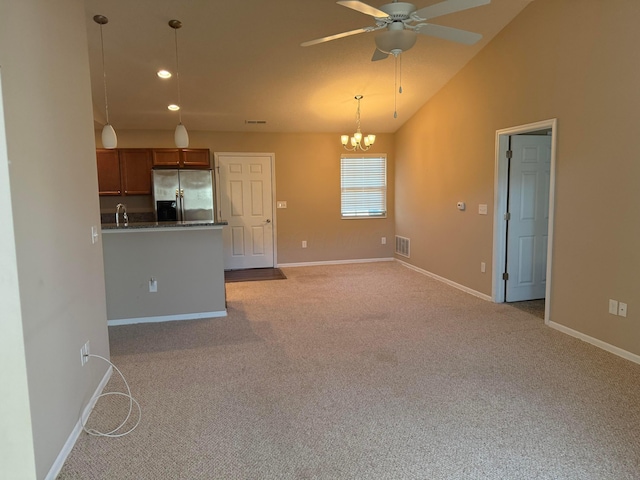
(242,61)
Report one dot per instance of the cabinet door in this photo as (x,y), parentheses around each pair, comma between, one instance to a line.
(108,172)
(166,157)
(195,157)
(135,165)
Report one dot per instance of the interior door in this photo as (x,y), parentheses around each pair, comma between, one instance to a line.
(246,203)
(528,226)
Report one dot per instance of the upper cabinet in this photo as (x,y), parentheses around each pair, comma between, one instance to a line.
(124,171)
(109,182)
(181,157)
(135,171)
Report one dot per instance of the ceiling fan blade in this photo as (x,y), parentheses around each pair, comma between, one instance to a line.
(379,55)
(448,33)
(336,36)
(446,7)
(363,8)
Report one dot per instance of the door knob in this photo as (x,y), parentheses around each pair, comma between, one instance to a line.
(268,220)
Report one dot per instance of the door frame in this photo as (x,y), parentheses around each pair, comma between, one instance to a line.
(274,222)
(501,184)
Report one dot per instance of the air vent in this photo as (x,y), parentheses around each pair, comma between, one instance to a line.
(403,246)
(255,122)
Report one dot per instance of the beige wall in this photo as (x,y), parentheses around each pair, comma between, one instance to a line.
(308,178)
(565,59)
(52,178)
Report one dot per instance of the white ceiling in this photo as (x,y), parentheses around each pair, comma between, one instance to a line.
(242,60)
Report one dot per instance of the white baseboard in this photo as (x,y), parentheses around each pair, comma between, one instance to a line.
(77,430)
(166,318)
(447,281)
(336,262)
(598,343)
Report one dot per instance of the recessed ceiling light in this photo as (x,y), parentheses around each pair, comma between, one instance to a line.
(173,108)
(164,74)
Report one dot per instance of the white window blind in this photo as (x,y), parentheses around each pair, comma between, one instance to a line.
(364,186)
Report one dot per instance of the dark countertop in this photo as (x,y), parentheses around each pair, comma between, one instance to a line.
(152,225)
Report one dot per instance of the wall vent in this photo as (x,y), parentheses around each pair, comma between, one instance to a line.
(403,246)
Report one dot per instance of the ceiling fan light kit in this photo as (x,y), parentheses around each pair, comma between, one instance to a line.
(357,141)
(109,138)
(395,42)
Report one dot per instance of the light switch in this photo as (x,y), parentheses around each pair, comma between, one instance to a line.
(482,209)
(95,237)
(281,204)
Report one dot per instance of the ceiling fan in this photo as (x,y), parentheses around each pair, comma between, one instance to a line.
(402,22)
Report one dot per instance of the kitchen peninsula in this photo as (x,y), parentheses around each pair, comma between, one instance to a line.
(157,272)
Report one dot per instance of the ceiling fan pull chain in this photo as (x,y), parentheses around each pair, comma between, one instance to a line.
(400,89)
(395,89)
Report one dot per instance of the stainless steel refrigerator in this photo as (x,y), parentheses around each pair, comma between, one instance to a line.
(183,195)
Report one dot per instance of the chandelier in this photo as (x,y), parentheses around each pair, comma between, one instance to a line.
(358,141)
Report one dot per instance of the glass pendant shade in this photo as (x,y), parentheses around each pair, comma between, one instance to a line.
(109,138)
(181,136)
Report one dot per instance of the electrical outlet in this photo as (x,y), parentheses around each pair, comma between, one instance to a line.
(153,285)
(613,307)
(622,309)
(85,351)
(383,241)
(304,244)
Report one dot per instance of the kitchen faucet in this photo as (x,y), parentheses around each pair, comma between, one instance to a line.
(124,214)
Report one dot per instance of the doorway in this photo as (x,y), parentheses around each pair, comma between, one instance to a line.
(522,258)
(245,200)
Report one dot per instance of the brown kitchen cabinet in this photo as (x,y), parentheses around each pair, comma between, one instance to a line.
(109,182)
(124,171)
(181,157)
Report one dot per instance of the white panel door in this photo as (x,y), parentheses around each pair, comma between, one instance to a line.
(246,203)
(528,227)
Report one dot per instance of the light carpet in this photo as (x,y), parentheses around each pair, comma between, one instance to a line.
(365,371)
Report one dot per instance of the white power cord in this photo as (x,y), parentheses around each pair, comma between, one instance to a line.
(114,433)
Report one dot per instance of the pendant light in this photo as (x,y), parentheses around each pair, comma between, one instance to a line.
(358,141)
(181,136)
(109,138)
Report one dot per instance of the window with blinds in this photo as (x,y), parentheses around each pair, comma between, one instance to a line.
(363,181)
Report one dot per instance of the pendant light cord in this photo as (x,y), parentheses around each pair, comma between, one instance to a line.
(104,77)
(175,32)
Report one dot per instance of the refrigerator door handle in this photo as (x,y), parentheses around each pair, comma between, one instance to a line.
(182,205)
(178,205)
